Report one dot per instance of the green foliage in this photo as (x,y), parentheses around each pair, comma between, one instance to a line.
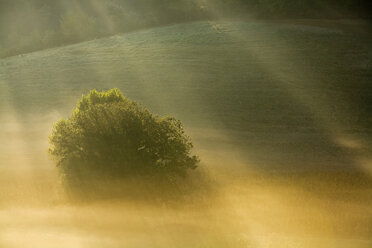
(109,136)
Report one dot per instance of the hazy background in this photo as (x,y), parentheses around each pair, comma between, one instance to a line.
(29,25)
(276,96)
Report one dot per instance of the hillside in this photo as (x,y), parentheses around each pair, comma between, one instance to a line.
(32,25)
(275,94)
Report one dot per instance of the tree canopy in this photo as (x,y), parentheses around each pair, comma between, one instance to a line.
(110,136)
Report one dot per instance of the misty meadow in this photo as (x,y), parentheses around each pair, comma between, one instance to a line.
(185,123)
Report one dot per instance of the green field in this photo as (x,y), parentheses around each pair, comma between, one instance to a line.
(280,114)
(267,87)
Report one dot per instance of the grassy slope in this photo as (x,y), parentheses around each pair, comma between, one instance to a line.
(280,89)
(276,93)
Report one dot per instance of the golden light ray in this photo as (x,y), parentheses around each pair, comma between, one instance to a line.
(293,82)
(249,211)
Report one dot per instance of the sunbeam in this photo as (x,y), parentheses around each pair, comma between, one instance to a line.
(304,84)
(185,123)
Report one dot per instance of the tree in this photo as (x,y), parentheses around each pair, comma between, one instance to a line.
(109,136)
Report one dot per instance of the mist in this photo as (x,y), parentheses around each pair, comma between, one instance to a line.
(274,95)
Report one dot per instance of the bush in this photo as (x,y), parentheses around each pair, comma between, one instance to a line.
(110,137)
